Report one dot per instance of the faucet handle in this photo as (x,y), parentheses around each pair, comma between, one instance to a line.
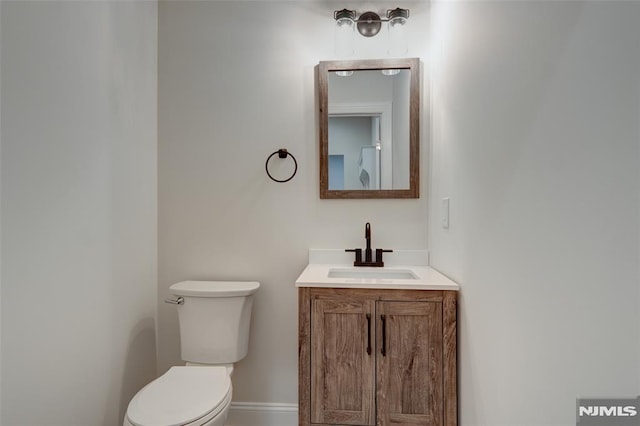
(379,255)
(358,252)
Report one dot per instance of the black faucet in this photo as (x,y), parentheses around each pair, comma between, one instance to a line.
(368,261)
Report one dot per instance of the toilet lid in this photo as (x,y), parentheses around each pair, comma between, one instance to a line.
(180,396)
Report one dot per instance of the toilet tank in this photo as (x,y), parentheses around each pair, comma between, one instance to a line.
(214,319)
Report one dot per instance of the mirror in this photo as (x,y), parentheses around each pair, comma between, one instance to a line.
(369,128)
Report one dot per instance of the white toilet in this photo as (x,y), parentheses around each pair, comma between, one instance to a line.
(214,321)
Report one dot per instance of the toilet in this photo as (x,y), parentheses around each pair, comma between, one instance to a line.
(214,319)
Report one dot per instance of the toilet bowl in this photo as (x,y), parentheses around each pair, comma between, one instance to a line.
(183,396)
(214,319)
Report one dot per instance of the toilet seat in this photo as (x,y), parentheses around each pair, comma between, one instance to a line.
(183,396)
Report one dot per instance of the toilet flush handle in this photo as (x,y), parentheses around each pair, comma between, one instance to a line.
(178,301)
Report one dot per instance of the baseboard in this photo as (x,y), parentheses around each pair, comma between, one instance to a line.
(262,414)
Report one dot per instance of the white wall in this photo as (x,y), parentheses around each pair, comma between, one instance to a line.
(236,82)
(78,209)
(536,141)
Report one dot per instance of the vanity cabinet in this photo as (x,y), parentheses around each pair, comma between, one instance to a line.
(377,357)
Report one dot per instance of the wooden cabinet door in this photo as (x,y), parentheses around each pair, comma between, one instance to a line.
(342,367)
(409,363)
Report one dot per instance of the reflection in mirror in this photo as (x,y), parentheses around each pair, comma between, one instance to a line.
(354,141)
(368,128)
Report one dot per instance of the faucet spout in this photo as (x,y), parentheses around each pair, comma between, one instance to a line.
(367,235)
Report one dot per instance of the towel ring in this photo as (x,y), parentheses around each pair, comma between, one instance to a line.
(282,153)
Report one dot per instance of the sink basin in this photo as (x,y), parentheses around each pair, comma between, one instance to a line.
(380,274)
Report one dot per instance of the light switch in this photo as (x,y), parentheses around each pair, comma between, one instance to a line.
(445,213)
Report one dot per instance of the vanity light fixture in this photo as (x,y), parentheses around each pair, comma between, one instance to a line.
(369,23)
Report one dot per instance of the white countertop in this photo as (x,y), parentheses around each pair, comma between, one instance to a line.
(424,277)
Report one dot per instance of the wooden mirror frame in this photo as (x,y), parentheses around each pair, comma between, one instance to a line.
(323,70)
